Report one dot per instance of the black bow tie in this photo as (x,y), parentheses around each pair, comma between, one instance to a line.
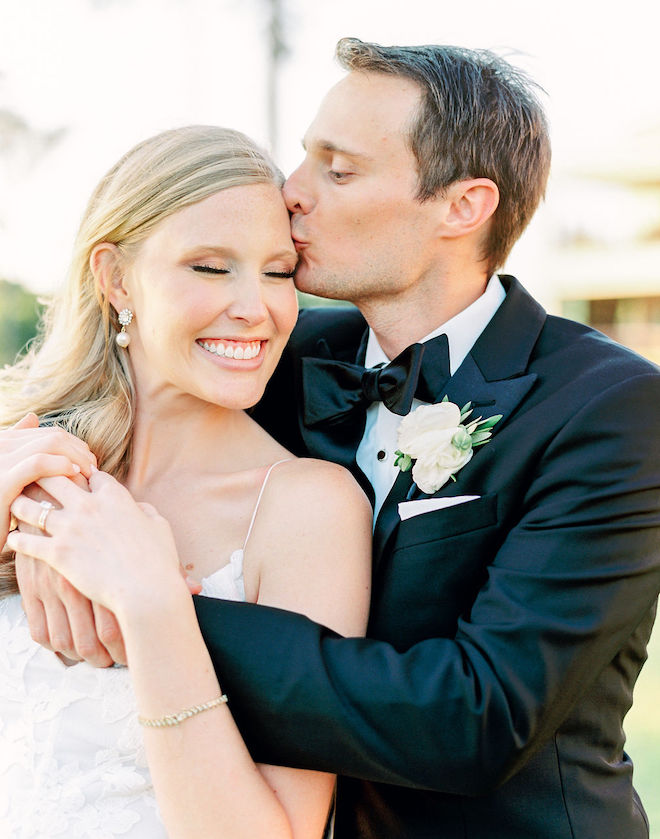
(333,388)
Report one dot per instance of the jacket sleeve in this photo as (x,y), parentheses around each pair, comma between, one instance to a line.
(569,585)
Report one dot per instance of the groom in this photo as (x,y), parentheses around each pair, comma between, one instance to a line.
(512,605)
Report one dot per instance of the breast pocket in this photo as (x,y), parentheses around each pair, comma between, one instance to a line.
(432,572)
(447,522)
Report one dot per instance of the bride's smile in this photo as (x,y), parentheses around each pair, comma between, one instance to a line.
(211,290)
(231,347)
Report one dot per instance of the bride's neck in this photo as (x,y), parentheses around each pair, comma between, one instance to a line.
(184,439)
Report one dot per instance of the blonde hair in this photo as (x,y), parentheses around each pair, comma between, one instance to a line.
(74,375)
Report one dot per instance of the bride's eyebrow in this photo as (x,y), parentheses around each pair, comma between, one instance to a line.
(201,251)
(196,251)
(286,254)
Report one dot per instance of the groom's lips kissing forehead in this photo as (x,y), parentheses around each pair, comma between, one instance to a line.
(299,239)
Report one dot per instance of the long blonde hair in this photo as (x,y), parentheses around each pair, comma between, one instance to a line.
(74,375)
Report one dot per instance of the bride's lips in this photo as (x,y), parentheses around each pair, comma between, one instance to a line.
(234,350)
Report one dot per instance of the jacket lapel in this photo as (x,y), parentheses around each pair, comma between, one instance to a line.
(493,377)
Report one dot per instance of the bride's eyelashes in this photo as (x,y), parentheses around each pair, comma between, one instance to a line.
(285,275)
(210,269)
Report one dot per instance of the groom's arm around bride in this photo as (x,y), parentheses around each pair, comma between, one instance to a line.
(506,631)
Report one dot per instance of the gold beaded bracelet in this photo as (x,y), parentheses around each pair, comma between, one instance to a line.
(181,716)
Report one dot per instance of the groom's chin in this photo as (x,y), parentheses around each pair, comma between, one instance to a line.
(311,282)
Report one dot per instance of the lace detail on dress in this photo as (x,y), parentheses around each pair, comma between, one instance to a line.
(227,582)
(72,761)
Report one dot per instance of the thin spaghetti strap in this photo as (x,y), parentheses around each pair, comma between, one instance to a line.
(261,492)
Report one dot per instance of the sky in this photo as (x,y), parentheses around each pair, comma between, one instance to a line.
(90,78)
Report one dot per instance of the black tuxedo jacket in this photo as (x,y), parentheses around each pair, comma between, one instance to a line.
(506,633)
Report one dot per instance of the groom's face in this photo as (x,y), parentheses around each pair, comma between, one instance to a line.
(359,229)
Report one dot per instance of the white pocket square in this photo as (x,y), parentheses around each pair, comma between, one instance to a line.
(408,509)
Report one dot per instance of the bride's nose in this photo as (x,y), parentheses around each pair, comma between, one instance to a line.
(248,302)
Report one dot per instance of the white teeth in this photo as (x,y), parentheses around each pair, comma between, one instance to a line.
(230,351)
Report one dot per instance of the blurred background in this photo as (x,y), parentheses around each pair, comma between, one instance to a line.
(83,80)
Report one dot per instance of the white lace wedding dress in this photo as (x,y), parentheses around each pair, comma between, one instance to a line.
(72,763)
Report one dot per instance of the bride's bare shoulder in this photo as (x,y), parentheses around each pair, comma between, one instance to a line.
(311,480)
(313,545)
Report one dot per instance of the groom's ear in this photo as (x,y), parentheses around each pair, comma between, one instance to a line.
(468,205)
(107,265)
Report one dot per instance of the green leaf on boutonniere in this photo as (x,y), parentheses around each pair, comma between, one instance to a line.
(490,422)
(466,410)
(403,461)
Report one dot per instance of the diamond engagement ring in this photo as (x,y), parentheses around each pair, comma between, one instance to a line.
(46,507)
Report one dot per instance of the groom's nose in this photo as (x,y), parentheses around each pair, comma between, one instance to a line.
(296,191)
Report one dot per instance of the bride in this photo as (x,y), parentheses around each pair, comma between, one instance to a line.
(179,302)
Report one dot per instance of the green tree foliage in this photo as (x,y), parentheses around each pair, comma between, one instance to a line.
(19,314)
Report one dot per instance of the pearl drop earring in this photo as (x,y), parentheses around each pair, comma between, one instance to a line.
(122,338)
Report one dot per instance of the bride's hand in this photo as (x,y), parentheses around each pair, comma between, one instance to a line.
(60,618)
(28,453)
(115,551)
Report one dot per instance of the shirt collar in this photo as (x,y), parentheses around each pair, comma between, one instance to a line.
(462,330)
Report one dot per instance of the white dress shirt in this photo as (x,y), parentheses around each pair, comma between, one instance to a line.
(375,454)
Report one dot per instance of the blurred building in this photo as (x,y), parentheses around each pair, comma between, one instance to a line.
(603,264)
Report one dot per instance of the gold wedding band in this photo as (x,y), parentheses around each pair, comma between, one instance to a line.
(13,522)
(46,507)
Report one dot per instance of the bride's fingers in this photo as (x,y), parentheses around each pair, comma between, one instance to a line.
(35,545)
(29,469)
(103,481)
(28,421)
(35,513)
(63,490)
(66,492)
(23,442)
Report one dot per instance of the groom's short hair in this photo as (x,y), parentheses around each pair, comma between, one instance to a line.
(479,118)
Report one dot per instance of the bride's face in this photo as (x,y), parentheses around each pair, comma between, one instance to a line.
(213,298)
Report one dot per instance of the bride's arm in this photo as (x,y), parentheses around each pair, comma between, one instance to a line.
(311,545)
(205,780)
(309,552)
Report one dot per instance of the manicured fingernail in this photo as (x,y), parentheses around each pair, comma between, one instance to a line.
(76,468)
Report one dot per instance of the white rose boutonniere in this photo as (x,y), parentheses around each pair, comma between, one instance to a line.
(440,442)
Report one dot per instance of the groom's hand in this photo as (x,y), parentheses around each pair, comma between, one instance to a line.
(63,620)
(60,617)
